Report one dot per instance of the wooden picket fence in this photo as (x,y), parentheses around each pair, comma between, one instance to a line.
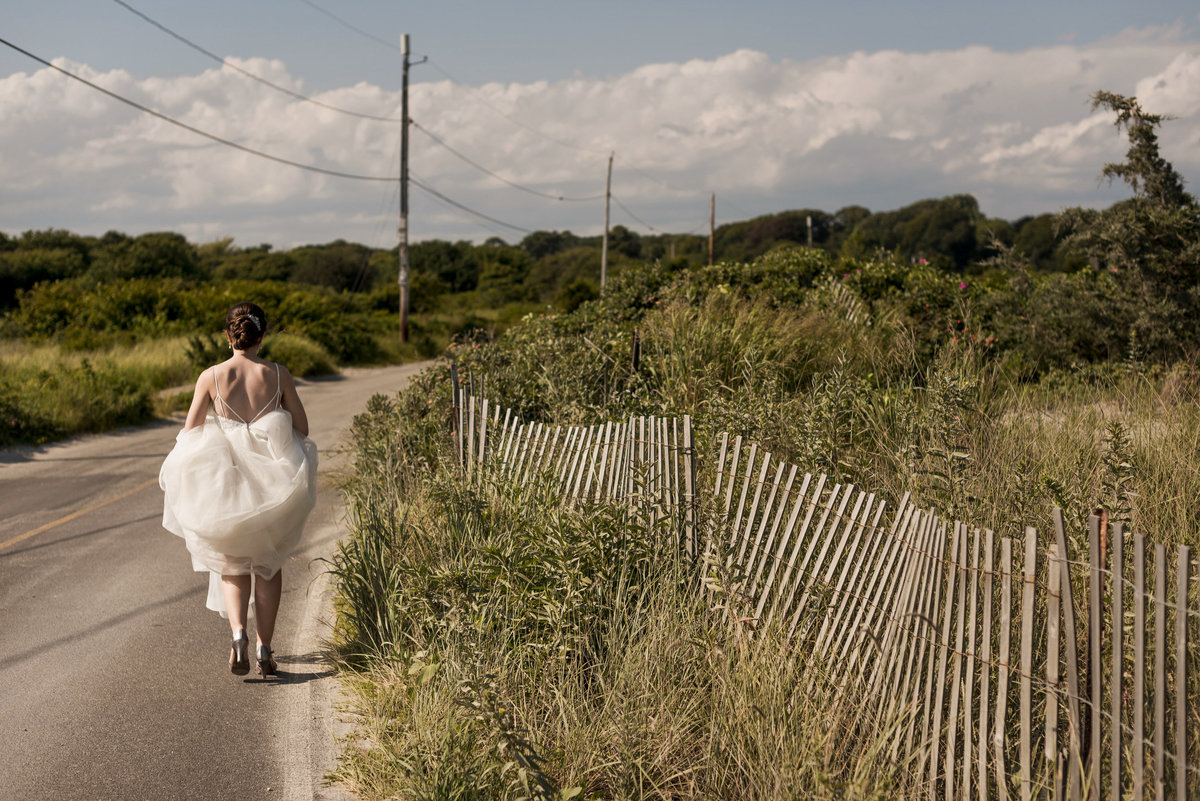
(1008,668)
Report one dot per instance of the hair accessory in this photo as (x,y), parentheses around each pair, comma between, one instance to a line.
(258,323)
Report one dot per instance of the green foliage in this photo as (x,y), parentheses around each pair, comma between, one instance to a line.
(575,294)
(943,232)
(204,350)
(1116,489)
(248,264)
(746,240)
(510,646)
(299,354)
(81,316)
(1151,241)
(21,269)
(41,404)
(940,456)
(165,255)
(502,272)
(338,265)
(550,273)
(540,244)
(455,265)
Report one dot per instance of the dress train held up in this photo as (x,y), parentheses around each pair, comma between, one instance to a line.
(238,493)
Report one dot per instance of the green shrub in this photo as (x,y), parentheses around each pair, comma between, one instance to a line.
(299,354)
(40,404)
(83,317)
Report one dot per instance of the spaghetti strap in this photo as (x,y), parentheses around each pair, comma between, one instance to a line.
(270,405)
(274,398)
(224,405)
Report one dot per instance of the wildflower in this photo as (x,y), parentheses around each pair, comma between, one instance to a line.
(922,261)
(962,284)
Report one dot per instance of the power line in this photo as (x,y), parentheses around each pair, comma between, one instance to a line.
(223,62)
(631,214)
(197,131)
(429,189)
(470,89)
(480,223)
(352,27)
(252,151)
(485,170)
(478,96)
(647,175)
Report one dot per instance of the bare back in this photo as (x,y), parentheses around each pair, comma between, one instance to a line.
(245,390)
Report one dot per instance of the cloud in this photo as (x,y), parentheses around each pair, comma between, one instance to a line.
(878,129)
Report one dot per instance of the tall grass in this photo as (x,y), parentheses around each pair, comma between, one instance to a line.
(47,392)
(502,645)
(536,651)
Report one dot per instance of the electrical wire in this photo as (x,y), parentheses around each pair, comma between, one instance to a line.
(223,62)
(648,176)
(429,189)
(389,201)
(478,96)
(352,27)
(259,153)
(736,207)
(631,214)
(480,223)
(197,131)
(501,178)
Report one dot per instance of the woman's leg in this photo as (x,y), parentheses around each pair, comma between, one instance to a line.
(236,590)
(266,605)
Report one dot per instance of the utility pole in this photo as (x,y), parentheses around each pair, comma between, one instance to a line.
(404,192)
(403,228)
(712,224)
(604,241)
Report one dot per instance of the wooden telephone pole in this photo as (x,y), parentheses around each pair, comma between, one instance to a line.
(403,228)
(604,241)
(712,224)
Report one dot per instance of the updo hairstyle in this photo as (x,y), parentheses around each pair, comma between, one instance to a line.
(246,323)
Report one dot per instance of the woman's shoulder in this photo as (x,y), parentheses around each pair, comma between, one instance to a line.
(284,374)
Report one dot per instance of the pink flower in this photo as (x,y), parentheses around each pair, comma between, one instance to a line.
(962,285)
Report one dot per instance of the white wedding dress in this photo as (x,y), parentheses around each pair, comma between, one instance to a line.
(238,492)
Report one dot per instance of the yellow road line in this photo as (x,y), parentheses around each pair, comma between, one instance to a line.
(74,515)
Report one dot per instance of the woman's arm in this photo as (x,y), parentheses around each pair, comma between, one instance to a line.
(201,400)
(290,400)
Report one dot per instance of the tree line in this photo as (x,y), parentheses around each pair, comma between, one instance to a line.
(1151,242)
(949,232)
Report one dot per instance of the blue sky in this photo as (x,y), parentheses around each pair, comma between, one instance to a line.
(535,40)
(771,105)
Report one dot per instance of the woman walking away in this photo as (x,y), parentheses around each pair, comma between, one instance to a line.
(240,482)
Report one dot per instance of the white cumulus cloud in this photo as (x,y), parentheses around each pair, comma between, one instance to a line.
(879,129)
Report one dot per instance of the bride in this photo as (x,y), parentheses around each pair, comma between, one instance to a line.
(240,483)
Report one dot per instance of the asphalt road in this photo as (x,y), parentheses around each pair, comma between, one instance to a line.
(114,678)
